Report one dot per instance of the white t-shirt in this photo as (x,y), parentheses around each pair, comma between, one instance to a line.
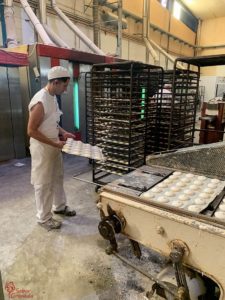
(50,125)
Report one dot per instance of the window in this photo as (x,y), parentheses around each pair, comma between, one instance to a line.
(184,15)
(176,10)
(164,3)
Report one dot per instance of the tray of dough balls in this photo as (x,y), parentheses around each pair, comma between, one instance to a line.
(83,149)
(186,190)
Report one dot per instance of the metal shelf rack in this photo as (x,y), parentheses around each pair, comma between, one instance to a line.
(119,103)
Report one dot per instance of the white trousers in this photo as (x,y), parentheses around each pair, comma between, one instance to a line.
(47,178)
(49,196)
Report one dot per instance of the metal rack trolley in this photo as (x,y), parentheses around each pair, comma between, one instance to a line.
(185,90)
(184,104)
(120,94)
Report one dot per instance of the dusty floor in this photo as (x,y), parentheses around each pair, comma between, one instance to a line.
(69,264)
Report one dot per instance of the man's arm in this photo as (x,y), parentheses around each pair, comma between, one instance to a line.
(35,118)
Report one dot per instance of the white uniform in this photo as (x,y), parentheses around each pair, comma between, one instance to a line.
(46,160)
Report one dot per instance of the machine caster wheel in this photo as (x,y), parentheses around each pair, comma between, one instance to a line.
(150,295)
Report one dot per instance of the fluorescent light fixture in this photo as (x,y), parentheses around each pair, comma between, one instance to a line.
(76,105)
(143,96)
(177,10)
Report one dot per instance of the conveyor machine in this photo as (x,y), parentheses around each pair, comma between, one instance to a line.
(174,205)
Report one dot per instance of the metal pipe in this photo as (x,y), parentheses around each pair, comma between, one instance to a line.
(55,38)
(96,26)
(165,53)
(149,276)
(146,32)
(37,25)
(75,29)
(10,24)
(119,32)
(43,14)
(151,51)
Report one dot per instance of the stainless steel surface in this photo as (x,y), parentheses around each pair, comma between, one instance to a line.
(67,100)
(43,67)
(35,83)
(139,181)
(204,159)
(25,95)
(82,102)
(17,115)
(6,128)
(12,136)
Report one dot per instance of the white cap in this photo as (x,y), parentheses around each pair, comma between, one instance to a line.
(58,72)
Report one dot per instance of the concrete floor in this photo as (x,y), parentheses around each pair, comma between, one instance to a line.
(68,264)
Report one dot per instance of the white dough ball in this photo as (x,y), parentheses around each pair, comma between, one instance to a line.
(194,187)
(175,188)
(189,192)
(169,180)
(215,180)
(147,195)
(183,197)
(185,179)
(177,203)
(162,200)
(222,207)
(189,175)
(203,195)
(162,184)
(194,208)
(201,178)
(156,190)
(212,184)
(169,194)
(208,191)
(197,182)
(199,201)
(220,215)
(177,173)
(181,184)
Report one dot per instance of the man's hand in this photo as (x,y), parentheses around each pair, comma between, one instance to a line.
(66,135)
(60,144)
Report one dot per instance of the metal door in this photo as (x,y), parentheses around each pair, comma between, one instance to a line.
(6,129)
(12,140)
(17,113)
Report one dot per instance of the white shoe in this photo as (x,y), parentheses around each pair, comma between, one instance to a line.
(51,224)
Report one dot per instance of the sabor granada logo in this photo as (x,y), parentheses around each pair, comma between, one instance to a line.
(14,293)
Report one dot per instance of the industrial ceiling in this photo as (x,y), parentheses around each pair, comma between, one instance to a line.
(206,9)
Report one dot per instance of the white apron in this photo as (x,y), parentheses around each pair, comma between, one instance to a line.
(46,160)
(46,163)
